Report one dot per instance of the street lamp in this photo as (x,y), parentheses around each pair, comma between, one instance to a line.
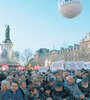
(49,62)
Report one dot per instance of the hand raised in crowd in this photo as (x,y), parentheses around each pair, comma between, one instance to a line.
(49,99)
(81,96)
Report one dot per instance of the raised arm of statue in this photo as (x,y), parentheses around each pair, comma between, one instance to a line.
(7,32)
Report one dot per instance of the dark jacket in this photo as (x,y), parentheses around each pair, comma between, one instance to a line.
(75,91)
(60,95)
(35,97)
(9,95)
(45,96)
(85,91)
(1,95)
(25,93)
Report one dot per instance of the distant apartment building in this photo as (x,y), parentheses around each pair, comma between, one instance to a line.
(78,52)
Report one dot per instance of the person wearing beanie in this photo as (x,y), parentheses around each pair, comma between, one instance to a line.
(10,79)
(47,93)
(73,87)
(84,86)
(61,92)
(39,88)
(52,82)
(33,93)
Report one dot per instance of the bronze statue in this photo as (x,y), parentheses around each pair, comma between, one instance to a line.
(7,32)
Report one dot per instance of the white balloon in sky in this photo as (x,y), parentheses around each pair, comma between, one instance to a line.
(70,8)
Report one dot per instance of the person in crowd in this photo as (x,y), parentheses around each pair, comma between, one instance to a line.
(33,93)
(52,82)
(39,88)
(78,77)
(64,77)
(10,79)
(13,93)
(47,95)
(61,92)
(12,73)
(5,85)
(73,87)
(19,79)
(23,77)
(2,77)
(84,86)
(40,78)
(55,73)
(45,81)
(15,77)
(24,90)
(59,78)
(86,73)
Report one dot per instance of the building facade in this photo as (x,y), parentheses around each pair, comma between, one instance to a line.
(78,52)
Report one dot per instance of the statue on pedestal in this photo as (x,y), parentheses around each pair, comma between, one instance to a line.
(7,34)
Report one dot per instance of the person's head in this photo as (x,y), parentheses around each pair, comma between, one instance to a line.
(85,81)
(40,78)
(32,89)
(79,74)
(86,73)
(70,79)
(37,81)
(23,84)
(2,77)
(59,78)
(19,79)
(23,77)
(15,77)
(14,86)
(55,73)
(64,74)
(34,78)
(51,80)
(5,85)
(9,79)
(47,89)
(59,86)
(47,78)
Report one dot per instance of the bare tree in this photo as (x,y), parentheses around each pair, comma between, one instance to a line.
(26,56)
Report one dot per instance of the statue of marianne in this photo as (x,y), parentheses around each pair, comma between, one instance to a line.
(7,32)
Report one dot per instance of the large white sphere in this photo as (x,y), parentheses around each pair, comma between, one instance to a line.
(70,8)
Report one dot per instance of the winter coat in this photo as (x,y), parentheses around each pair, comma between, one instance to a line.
(25,93)
(45,96)
(85,91)
(1,95)
(35,97)
(74,90)
(9,95)
(60,95)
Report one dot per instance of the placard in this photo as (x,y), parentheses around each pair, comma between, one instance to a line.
(57,66)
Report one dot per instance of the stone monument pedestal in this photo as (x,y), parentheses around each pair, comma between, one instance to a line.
(7,56)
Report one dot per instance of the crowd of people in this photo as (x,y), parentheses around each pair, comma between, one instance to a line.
(34,85)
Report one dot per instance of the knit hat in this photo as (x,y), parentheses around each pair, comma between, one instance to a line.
(85,72)
(10,77)
(59,84)
(47,87)
(37,80)
(51,79)
(85,79)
